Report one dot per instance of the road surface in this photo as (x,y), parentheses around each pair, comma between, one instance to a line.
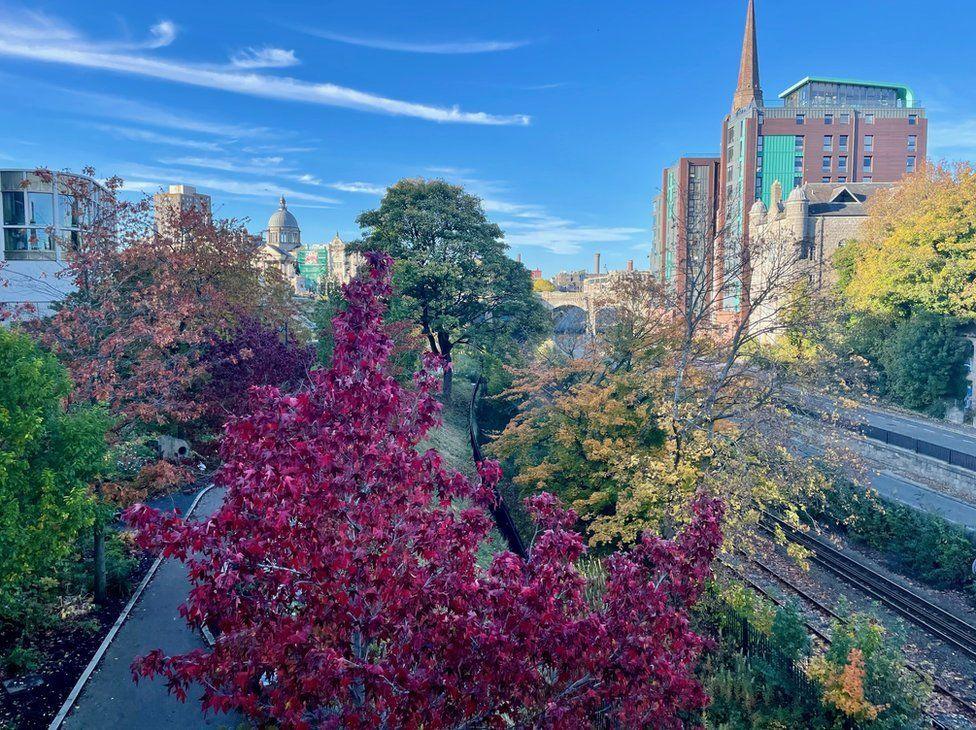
(924,499)
(951,437)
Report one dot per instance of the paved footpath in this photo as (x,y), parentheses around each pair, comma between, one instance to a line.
(110,699)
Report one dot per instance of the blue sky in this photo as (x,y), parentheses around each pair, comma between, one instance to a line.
(560,115)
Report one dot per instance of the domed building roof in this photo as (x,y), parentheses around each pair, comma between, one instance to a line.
(282,218)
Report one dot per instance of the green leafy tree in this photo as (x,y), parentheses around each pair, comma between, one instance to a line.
(917,249)
(924,362)
(48,457)
(452,271)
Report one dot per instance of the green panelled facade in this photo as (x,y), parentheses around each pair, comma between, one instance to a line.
(313,265)
(778,163)
(670,242)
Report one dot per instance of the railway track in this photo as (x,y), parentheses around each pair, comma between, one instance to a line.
(937,686)
(935,620)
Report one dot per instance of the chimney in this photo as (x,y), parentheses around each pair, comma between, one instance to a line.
(630,266)
(596,264)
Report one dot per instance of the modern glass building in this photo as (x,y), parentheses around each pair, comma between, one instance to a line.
(43,214)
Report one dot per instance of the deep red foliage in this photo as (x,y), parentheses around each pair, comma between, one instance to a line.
(254,354)
(342,574)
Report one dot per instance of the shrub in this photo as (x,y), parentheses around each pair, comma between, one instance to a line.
(923,545)
(48,457)
(864,675)
(21,659)
(924,363)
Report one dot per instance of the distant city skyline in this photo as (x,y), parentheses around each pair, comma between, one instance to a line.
(561,119)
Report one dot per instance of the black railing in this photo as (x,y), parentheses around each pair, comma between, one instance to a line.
(736,633)
(925,448)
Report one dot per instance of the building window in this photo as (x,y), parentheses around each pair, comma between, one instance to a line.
(828,143)
(868,179)
(798,164)
(14,210)
(798,144)
(868,163)
(759,143)
(869,118)
(842,164)
(842,142)
(869,143)
(800,118)
(913,119)
(797,181)
(825,179)
(845,118)
(910,164)
(827,162)
(842,179)
(912,142)
(828,118)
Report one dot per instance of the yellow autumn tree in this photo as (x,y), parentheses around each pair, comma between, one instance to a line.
(917,249)
(652,413)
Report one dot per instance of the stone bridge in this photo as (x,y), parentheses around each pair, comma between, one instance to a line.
(590,303)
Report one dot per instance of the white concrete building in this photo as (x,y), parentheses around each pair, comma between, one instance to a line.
(42,217)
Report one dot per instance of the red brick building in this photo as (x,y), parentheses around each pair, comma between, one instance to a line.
(825,130)
(684,228)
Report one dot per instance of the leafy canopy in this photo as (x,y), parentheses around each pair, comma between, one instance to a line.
(452,270)
(342,573)
(48,457)
(917,249)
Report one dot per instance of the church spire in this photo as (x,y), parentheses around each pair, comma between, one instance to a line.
(748,91)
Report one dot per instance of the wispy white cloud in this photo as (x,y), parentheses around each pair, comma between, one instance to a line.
(267,160)
(154,138)
(260,149)
(529,224)
(28,37)
(141,186)
(119,108)
(269,166)
(162,34)
(264,58)
(358,187)
(563,236)
(952,139)
(542,87)
(250,187)
(445,48)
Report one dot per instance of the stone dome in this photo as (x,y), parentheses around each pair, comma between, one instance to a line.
(758,208)
(282,218)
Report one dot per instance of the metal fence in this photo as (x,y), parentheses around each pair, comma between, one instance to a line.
(926,448)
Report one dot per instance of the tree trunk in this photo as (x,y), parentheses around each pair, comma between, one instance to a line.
(447,383)
(499,511)
(98,563)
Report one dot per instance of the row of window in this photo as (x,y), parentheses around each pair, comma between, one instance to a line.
(31,219)
(867,163)
(845,118)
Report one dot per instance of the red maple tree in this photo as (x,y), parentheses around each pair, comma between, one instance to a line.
(149,294)
(341,574)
